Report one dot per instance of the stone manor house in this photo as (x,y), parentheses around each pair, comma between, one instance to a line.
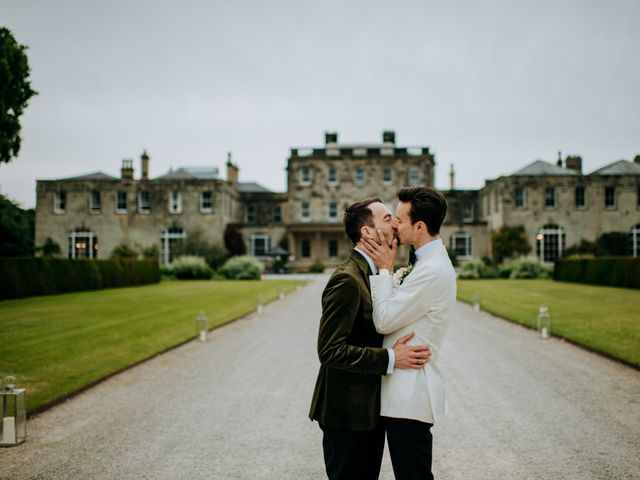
(557,203)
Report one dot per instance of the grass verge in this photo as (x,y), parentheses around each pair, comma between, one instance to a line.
(56,345)
(602,319)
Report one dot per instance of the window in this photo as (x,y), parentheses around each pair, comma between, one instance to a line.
(276,214)
(414,175)
(333,211)
(333,248)
(121,202)
(305,248)
(359,176)
(206,201)
(305,176)
(461,245)
(467,212)
(518,194)
(333,176)
(387,176)
(609,197)
(59,201)
(634,240)
(95,202)
(550,241)
(175,202)
(259,245)
(304,212)
(550,197)
(83,244)
(250,214)
(144,202)
(581,197)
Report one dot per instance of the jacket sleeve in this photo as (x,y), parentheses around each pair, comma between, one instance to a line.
(340,303)
(395,308)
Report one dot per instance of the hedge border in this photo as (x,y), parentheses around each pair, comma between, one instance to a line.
(30,276)
(611,271)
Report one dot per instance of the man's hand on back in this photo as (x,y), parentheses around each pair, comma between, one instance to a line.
(410,356)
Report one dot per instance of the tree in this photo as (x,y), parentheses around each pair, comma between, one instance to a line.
(198,244)
(509,242)
(49,248)
(613,243)
(17,228)
(15,92)
(233,240)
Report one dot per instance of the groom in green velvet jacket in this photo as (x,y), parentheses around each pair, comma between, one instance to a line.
(346,399)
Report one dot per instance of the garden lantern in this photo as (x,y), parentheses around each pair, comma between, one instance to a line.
(544,322)
(260,304)
(202,326)
(13,414)
(476,302)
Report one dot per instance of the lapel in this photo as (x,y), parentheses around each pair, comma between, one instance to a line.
(363,266)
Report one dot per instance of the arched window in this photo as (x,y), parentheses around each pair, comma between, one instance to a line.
(634,240)
(83,243)
(550,241)
(168,238)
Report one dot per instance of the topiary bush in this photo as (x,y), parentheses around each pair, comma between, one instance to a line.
(242,268)
(189,267)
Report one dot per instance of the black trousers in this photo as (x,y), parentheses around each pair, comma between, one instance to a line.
(353,455)
(410,443)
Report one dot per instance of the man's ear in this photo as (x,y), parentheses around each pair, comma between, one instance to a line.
(364,232)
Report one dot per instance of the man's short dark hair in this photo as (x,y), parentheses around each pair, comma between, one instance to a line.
(356,216)
(427,205)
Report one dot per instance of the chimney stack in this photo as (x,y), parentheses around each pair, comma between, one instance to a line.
(232,170)
(559,162)
(574,162)
(452,176)
(389,136)
(330,137)
(637,159)
(144,160)
(127,169)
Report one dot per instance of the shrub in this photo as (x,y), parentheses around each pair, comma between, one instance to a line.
(198,244)
(477,268)
(471,269)
(527,268)
(242,268)
(316,267)
(191,267)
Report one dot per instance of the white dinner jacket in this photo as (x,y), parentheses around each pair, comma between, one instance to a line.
(423,304)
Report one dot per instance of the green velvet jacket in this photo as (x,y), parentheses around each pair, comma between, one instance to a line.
(347,392)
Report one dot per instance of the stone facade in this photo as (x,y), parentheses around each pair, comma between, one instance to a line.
(557,204)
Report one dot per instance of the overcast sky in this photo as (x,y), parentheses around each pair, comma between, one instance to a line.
(490,86)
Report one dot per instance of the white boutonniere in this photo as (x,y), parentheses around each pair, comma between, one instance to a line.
(401,274)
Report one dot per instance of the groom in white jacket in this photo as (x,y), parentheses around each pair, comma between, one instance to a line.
(419,301)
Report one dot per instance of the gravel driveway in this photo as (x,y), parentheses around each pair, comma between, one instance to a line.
(236,407)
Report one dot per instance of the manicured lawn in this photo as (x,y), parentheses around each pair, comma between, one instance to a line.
(55,345)
(605,319)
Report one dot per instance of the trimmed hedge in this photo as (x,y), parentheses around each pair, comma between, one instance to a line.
(29,276)
(612,271)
